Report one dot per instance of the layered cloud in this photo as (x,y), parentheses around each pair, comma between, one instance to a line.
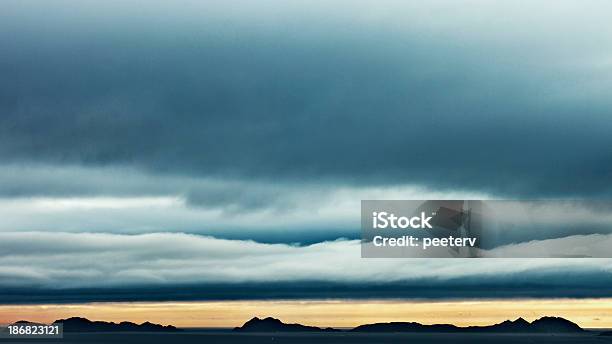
(125,200)
(128,201)
(265,123)
(37,267)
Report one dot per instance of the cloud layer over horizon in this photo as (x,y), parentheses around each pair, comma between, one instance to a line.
(263,124)
(85,267)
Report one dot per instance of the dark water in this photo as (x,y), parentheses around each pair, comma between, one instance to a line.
(206,337)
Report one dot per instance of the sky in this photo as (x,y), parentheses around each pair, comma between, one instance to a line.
(588,313)
(219,150)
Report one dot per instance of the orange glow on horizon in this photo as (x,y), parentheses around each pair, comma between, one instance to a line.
(588,313)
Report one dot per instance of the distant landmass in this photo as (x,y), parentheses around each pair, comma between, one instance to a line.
(270,324)
(25,322)
(77,324)
(520,325)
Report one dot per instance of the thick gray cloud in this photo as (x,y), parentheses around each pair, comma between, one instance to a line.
(77,199)
(401,93)
(87,267)
(123,200)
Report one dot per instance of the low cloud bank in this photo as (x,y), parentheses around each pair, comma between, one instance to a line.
(87,267)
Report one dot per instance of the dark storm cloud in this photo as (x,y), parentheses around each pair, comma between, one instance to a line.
(325,101)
